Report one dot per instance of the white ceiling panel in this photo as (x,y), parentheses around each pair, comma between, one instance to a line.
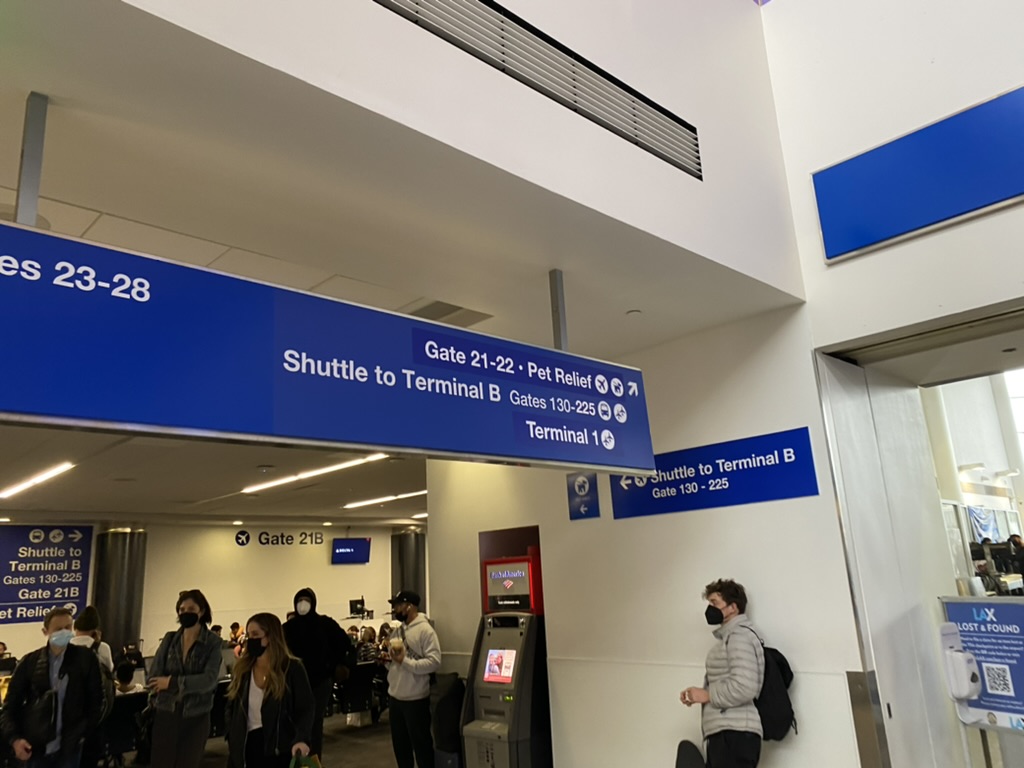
(123,233)
(269,270)
(347,289)
(144,479)
(63,218)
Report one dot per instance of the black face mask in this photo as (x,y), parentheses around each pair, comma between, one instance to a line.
(400,616)
(714,615)
(188,620)
(254,647)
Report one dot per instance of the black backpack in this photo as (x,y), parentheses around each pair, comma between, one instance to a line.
(773,704)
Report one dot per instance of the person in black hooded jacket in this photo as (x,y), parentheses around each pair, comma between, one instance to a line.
(322,645)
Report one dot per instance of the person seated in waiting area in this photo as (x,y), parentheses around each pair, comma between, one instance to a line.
(3,650)
(236,634)
(125,677)
(368,650)
(384,638)
(353,634)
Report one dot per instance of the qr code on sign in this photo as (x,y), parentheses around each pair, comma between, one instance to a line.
(998,680)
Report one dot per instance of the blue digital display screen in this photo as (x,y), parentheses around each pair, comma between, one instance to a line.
(350,552)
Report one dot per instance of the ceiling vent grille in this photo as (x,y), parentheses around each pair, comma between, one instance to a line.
(503,40)
(443,312)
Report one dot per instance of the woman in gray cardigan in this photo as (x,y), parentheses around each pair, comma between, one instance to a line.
(735,672)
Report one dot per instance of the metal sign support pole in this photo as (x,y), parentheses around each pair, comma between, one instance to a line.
(26,207)
(558,325)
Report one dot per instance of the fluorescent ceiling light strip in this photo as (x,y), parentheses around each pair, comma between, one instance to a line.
(384,499)
(421,516)
(314,472)
(42,477)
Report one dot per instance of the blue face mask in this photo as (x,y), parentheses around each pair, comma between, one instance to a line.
(61,638)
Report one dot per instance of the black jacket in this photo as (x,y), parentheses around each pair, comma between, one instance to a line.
(318,641)
(83,698)
(286,721)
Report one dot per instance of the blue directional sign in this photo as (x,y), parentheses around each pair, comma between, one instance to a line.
(582,488)
(755,469)
(100,335)
(993,630)
(43,567)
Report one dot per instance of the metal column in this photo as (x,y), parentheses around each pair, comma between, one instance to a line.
(558,325)
(119,584)
(26,207)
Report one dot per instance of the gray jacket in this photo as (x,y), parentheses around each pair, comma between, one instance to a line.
(193,680)
(410,680)
(735,671)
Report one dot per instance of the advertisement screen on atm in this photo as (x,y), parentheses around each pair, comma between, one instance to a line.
(501,663)
(508,586)
(350,552)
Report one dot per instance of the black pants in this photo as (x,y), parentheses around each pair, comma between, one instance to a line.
(321,698)
(178,742)
(256,755)
(410,733)
(734,749)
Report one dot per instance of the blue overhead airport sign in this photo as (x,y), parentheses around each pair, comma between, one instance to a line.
(993,631)
(100,335)
(748,471)
(43,567)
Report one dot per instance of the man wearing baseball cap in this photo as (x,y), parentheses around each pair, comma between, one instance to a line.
(415,656)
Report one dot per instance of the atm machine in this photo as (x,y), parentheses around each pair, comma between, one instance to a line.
(506,714)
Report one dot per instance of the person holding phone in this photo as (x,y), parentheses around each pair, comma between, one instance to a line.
(184,678)
(271,705)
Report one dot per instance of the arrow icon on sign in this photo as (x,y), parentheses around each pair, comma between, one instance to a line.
(583,509)
(75,535)
(625,482)
(634,390)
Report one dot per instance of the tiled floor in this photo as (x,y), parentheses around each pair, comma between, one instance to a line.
(344,747)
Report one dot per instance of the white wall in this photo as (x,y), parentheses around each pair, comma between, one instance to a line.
(851,76)
(626,630)
(704,61)
(974,424)
(240,581)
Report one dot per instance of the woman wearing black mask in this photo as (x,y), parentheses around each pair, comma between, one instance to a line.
(271,703)
(184,678)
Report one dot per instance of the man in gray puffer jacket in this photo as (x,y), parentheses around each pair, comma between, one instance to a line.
(735,672)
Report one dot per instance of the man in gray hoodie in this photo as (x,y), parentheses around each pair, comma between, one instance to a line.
(735,672)
(415,656)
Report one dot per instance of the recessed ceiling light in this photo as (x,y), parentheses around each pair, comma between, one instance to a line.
(384,499)
(237,522)
(42,477)
(314,472)
(421,516)
(5,519)
(328,524)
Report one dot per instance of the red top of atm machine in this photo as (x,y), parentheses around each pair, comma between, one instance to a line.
(512,584)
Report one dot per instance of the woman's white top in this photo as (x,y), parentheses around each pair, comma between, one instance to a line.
(255,704)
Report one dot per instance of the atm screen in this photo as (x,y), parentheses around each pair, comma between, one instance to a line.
(500,666)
